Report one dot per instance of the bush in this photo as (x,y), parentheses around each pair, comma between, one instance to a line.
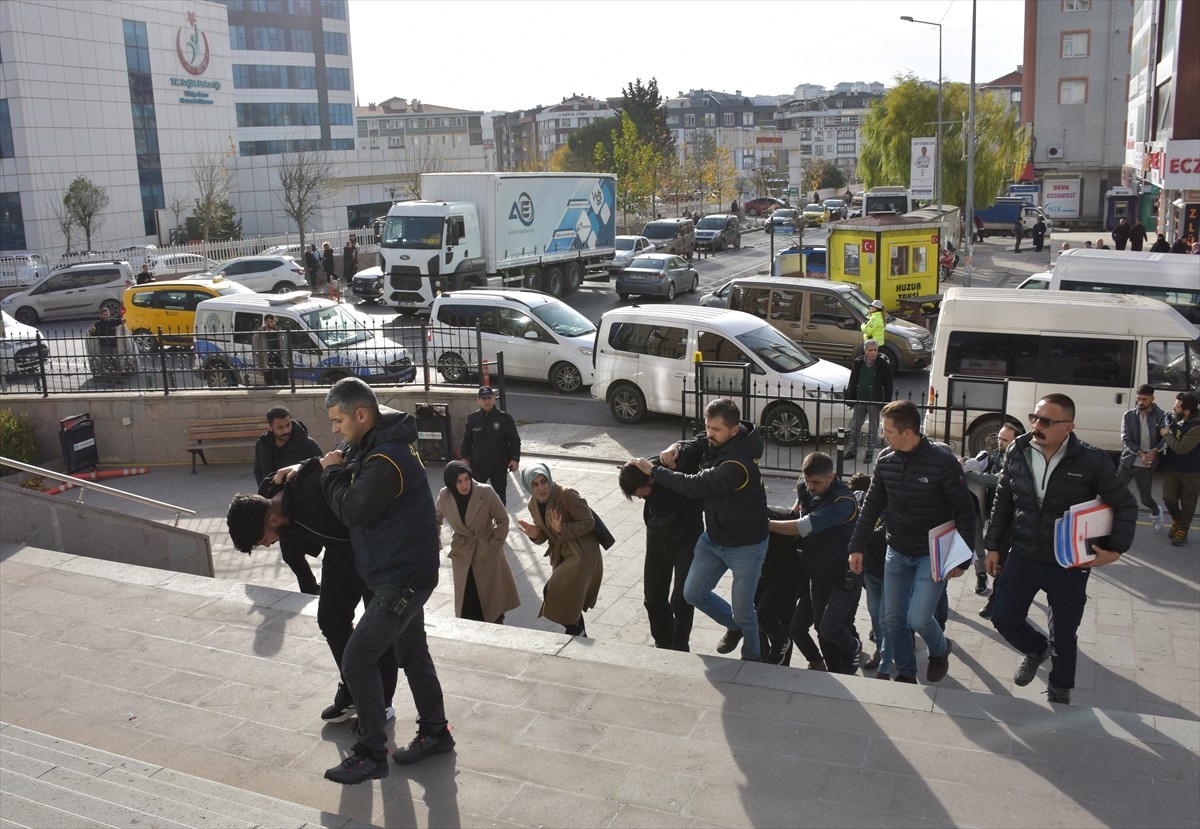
(17,440)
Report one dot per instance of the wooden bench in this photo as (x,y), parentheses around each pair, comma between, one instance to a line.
(224,433)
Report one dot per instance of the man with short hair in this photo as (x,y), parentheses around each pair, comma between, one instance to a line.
(379,490)
(286,442)
(1120,233)
(870,386)
(984,470)
(735,519)
(1046,472)
(916,487)
(1141,444)
(269,352)
(1181,473)
(491,446)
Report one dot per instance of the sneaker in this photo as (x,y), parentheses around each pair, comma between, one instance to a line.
(986,613)
(909,680)
(1062,696)
(817,665)
(867,458)
(872,663)
(1179,539)
(849,454)
(1156,520)
(1027,670)
(422,746)
(389,713)
(981,587)
(356,768)
(939,666)
(342,708)
(881,675)
(729,641)
(850,665)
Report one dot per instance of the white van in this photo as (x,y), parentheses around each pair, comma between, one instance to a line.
(1168,277)
(1095,348)
(644,355)
(326,340)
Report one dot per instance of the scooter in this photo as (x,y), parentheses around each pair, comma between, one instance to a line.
(947,262)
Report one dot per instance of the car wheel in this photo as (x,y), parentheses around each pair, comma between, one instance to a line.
(112,306)
(26,315)
(627,403)
(893,357)
(146,342)
(283,288)
(452,367)
(573,277)
(219,375)
(621,295)
(670,290)
(787,425)
(533,278)
(554,281)
(565,378)
(752,212)
(695,283)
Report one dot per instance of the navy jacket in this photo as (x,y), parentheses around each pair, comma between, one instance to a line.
(491,440)
(832,520)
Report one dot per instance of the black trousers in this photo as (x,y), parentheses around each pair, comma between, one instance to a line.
(295,555)
(775,598)
(830,608)
(341,591)
(1066,593)
(668,559)
(496,478)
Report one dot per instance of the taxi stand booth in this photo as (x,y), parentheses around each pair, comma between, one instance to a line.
(893,259)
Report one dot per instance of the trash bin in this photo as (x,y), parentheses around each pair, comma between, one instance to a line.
(433,431)
(77,436)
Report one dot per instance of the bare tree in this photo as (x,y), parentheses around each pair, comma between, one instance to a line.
(418,158)
(211,179)
(176,205)
(306,180)
(86,202)
(63,219)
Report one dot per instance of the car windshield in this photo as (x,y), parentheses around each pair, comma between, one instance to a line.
(412,232)
(711,223)
(834,203)
(335,326)
(858,301)
(656,231)
(564,320)
(625,242)
(776,350)
(815,208)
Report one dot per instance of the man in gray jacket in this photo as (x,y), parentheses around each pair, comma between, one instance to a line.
(1140,448)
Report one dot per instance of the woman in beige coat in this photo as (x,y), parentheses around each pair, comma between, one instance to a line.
(484,589)
(562,518)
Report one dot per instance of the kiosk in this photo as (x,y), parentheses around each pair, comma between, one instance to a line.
(888,257)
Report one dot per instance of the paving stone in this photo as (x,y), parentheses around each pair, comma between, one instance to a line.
(535,806)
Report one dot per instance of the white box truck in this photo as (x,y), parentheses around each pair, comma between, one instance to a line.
(534,230)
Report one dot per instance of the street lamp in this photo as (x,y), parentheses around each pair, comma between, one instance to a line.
(937,181)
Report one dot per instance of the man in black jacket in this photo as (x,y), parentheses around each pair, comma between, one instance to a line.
(917,486)
(730,486)
(491,445)
(286,442)
(869,388)
(1045,473)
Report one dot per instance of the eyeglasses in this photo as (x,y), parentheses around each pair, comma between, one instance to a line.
(1044,422)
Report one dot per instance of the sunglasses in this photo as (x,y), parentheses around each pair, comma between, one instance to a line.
(1044,422)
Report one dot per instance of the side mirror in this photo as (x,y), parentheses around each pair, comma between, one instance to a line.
(531,335)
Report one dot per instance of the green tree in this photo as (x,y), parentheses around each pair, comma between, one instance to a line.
(85,203)
(635,163)
(909,111)
(581,145)
(222,222)
(647,109)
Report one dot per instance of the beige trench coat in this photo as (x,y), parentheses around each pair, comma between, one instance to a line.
(478,544)
(575,561)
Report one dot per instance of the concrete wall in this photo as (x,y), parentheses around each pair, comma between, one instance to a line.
(147,429)
(60,523)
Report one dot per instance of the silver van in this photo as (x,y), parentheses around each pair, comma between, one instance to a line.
(72,292)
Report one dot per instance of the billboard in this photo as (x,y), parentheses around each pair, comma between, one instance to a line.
(922,167)
(1062,197)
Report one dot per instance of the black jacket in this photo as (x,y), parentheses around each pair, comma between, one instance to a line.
(729,483)
(671,513)
(309,516)
(832,518)
(1084,473)
(268,458)
(915,492)
(491,440)
(382,495)
(881,391)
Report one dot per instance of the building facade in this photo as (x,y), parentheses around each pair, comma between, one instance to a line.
(554,124)
(826,129)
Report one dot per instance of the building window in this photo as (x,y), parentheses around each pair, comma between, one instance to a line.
(333,9)
(395,142)
(145,122)
(336,43)
(1075,44)
(341,115)
(337,78)
(1076,5)
(689,119)
(12,221)
(1072,91)
(747,119)
(6,139)
(727,119)
(302,41)
(710,119)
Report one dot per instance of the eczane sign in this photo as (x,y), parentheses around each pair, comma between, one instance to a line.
(1174,165)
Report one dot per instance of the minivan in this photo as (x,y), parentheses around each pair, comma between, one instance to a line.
(677,236)
(1167,277)
(826,318)
(74,291)
(326,340)
(645,356)
(542,337)
(1095,348)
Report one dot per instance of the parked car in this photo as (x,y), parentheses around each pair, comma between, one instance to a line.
(294,251)
(718,232)
(135,255)
(677,236)
(261,274)
(785,222)
(657,274)
(178,264)
(170,305)
(21,268)
(1037,282)
(628,247)
(72,292)
(718,297)
(837,208)
(542,337)
(762,207)
(22,348)
(815,214)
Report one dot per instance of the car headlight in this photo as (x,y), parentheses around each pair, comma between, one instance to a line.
(915,343)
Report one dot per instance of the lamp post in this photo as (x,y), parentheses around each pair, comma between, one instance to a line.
(937,173)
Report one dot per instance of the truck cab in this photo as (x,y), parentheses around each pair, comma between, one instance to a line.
(425,248)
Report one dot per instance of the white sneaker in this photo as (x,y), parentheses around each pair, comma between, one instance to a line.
(389,713)
(1157,520)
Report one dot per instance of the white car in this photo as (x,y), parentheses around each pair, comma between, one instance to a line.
(21,347)
(628,249)
(135,255)
(261,274)
(179,264)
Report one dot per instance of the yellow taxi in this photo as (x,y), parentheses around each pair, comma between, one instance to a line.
(170,306)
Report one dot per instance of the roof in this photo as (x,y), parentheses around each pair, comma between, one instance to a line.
(1065,311)
(684,313)
(1013,78)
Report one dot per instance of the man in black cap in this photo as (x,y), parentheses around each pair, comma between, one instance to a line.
(491,445)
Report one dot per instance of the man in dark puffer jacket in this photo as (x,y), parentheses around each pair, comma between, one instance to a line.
(1046,472)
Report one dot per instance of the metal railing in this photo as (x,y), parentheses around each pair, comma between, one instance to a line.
(83,484)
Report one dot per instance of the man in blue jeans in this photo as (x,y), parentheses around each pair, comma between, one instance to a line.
(916,487)
(735,519)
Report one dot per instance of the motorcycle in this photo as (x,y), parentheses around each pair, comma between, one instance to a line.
(947,262)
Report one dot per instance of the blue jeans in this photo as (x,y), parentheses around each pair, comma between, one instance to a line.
(875,607)
(910,597)
(709,564)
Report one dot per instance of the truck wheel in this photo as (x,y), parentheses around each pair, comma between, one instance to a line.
(554,281)
(565,378)
(627,403)
(452,367)
(573,277)
(533,278)
(787,425)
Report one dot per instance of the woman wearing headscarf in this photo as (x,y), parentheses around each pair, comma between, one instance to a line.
(484,588)
(562,518)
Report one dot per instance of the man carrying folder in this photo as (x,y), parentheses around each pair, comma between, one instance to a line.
(1046,472)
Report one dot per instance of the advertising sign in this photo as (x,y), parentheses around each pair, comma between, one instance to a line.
(1174,165)
(923,165)
(1062,198)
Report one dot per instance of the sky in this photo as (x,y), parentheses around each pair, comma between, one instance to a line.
(517,54)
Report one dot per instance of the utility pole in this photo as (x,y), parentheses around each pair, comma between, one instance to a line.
(971,159)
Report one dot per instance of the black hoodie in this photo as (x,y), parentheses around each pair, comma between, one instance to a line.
(269,458)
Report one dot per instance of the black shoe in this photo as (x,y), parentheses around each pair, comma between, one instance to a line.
(872,663)
(422,746)
(357,768)
(850,663)
(342,708)
(939,666)
(986,613)
(1062,696)
(867,458)
(849,454)
(1027,670)
(729,641)
(909,680)
(981,587)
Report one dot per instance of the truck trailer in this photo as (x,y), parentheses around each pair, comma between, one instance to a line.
(534,230)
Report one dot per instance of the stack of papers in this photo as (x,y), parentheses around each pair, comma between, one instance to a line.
(1078,529)
(947,550)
